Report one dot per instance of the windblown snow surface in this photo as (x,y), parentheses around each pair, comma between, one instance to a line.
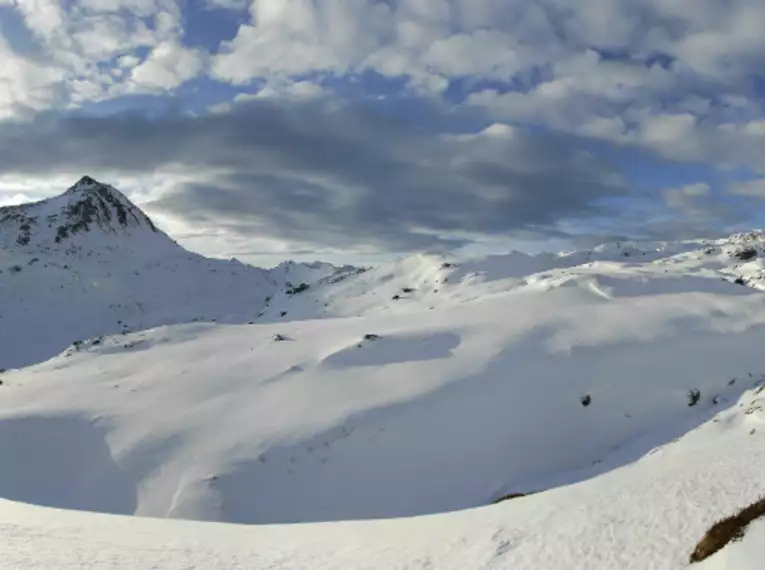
(386,409)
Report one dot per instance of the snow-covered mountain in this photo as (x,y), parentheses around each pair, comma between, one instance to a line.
(90,263)
(87,215)
(617,394)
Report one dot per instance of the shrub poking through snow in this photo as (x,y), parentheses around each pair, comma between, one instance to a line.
(586,400)
(279,338)
(511,496)
(407,290)
(299,289)
(693,397)
(739,281)
(727,530)
(371,336)
(396,297)
(746,254)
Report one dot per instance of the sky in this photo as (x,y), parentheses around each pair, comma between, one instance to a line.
(363,129)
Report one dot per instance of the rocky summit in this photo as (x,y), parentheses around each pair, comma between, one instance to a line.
(87,206)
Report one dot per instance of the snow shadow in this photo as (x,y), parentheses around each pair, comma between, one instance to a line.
(518,425)
(62,462)
(396,350)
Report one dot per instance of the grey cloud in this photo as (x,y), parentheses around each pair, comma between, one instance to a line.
(328,174)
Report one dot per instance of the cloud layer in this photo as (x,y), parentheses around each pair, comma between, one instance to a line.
(309,171)
(511,117)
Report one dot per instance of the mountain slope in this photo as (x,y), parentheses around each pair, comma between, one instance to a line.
(89,263)
(397,413)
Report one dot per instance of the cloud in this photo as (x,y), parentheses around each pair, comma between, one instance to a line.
(650,73)
(281,152)
(72,53)
(688,197)
(167,66)
(750,188)
(315,172)
(25,85)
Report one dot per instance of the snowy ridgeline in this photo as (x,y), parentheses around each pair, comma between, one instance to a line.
(619,390)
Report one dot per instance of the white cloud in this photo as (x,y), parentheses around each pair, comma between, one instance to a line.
(25,84)
(88,50)
(45,18)
(680,197)
(661,74)
(667,129)
(167,66)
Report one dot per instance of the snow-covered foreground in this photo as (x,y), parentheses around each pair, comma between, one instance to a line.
(446,410)
(647,515)
(414,388)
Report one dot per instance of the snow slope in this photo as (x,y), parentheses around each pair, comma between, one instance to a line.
(413,388)
(645,516)
(445,411)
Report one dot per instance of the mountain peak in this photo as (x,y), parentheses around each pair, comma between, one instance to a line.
(86,206)
(87,181)
(89,185)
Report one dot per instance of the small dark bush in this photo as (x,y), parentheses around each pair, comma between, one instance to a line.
(396,297)
(511,496)
(727,530)
(280,338)
(299,289)
(283,313)
(586,400)
(693,397)
(407,290)
(15,268)
(739,281)
(371,337)
(746,254)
